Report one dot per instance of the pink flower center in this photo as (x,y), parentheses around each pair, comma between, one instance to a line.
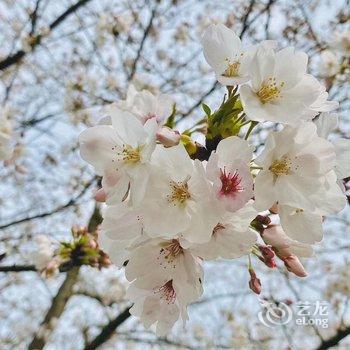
(169,253)
(167,292)
(230,183)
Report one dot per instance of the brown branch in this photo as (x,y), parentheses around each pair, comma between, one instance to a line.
(143,40)
(34,17)
(333,341)
(17,268)
(58,304)
(108,330)
(245,24)
(19,55)
(64,293)
(267,9)
(60,208)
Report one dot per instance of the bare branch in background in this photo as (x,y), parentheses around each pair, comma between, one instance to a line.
(19,55)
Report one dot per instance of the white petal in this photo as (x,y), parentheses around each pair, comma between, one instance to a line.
(96,146)
(326,124)
(232,148)
(219,45)
(300,225)
(264,189)
(342,151)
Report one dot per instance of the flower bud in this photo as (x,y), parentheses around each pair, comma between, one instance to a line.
(294,265)
(92,243)
(254,282)
(268,256)
(100,195)
(168,137)
(190,146)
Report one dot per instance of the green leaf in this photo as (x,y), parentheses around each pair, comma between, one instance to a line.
(170,122)
(206,109)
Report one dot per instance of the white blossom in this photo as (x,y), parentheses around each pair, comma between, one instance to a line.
(326,124)
(223,51)
(43,251)
(231,237)
(121,227)
(145,105)
(294,164)
(228,169)
(176,200)
(121,153)
(279,92)
(166,278)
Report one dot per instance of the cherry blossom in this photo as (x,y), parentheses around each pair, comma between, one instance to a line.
(121,153)
(223,51)
(43,252)
(173,202)
(231,237)
(121,227)
(228,169)
(294,164)
(160,305)
(176,201)
(145,105)
(327,123)
(166,278)
(279,92)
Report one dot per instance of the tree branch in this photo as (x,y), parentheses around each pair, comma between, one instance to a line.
(333,341)
(16,57)
(17,268)
(143,40)
(58,304)
(108,330)
(64,293)
(54,211)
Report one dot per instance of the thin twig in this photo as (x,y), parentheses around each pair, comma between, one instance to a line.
(19,55)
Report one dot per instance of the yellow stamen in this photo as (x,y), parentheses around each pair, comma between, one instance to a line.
(179,192)
(270,91)
(232,69)
(132,155)
(281,166)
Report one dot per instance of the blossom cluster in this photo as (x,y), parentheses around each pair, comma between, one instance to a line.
(49,256)
(172,203)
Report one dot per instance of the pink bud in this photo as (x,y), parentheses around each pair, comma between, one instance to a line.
(100,195)
(168,137)
(268,256)
(275,237)
(254,282)
(294,265)
(92,243)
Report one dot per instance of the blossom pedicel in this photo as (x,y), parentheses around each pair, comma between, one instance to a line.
(172,203)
